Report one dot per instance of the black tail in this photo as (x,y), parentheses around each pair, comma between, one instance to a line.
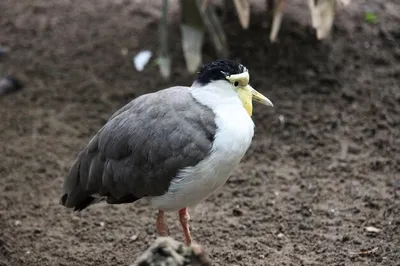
(76,194)
(85,180)
(81,204)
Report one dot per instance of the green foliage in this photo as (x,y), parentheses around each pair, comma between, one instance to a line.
(371,17)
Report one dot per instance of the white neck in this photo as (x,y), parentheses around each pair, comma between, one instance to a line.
(216,94)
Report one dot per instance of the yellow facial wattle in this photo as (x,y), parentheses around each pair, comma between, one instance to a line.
(246,97)
(246,93)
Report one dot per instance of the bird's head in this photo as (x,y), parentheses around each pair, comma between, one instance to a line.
(237,77)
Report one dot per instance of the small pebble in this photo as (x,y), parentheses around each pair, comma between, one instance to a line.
(310,73)
(237,212)
(134,238)
(102,224)
(281,119)
(109,238)
(17,222)
(124,51)
(9,85)
(280,235)
(371,229)
(3,51)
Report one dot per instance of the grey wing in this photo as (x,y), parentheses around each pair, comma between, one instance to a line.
(141,149)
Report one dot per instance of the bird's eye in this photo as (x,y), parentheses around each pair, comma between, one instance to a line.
(236,83)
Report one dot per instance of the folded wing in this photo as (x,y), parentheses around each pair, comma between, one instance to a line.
(141,149)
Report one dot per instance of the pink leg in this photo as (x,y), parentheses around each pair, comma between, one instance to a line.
(162,227)
(184,218)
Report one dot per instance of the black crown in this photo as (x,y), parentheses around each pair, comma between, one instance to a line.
(218,70)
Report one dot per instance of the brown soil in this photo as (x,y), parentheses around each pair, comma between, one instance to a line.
(307,187)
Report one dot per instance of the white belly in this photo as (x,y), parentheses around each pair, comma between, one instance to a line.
(234,133)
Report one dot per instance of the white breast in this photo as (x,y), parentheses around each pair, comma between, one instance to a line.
(234,133)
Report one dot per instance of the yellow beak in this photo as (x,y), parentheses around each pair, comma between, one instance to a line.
(247,94)
(258,97)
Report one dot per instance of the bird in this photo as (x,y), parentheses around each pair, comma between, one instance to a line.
(173,147)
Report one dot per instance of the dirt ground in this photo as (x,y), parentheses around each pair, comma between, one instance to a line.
(324,163)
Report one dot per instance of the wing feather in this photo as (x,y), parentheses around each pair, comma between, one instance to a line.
(141,149)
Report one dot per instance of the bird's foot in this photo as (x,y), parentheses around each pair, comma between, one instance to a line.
(162,228)
(184,219)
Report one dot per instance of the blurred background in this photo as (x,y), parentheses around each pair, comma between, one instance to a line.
(320,183)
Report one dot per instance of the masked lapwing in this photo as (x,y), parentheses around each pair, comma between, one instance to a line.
(173,147)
